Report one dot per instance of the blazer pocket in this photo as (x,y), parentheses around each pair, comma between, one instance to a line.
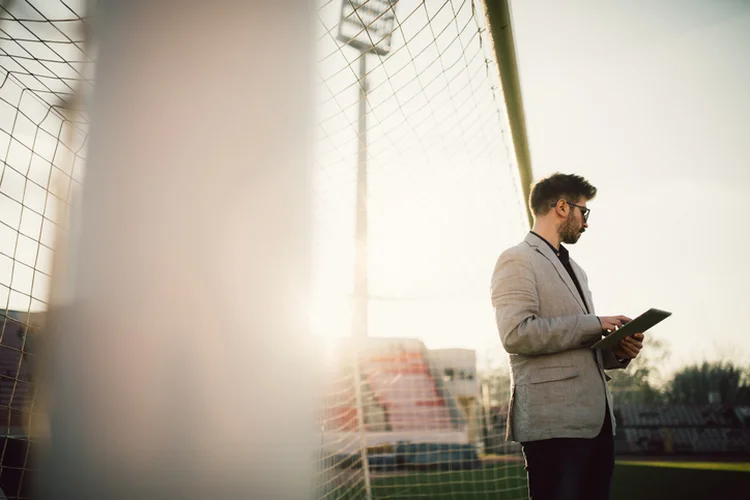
(553,373)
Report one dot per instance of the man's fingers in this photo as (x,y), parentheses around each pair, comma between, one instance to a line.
(633,342)
(624,353)
(629,353)
(610,323)
(618,322)
(630,347)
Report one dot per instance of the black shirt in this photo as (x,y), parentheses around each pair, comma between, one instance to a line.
(564,257)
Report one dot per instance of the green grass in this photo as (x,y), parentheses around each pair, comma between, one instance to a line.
(500,482)
(727,466)
(680,480)
(631,480)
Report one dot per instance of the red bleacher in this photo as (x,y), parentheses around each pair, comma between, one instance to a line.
(399,394)
(402,384)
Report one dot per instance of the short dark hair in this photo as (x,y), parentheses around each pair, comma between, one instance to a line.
(548,191)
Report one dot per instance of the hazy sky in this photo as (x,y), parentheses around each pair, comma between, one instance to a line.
(650,101)
(443,196)
(647,99)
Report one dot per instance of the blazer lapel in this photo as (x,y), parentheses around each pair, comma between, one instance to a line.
(545,250)
(584,286)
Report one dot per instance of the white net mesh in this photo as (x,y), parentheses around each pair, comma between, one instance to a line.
(417,423)
(405,413)
(44,69)
(398,420)
(440,172)
(440,175)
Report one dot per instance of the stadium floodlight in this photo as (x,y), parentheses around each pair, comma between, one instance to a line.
(366,25)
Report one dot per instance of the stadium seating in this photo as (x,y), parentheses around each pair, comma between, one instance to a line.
(404,386)
(15,375)
(427,456)
(683,429)
(399,393)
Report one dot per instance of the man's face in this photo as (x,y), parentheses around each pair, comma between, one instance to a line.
(573,226)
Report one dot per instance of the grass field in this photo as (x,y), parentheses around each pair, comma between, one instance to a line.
(632,481)
(681,480)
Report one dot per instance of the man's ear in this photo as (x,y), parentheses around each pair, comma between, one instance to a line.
(560,207)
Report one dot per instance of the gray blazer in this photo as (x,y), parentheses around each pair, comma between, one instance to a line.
(558,384)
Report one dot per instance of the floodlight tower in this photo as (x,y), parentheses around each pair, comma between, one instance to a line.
(366,25)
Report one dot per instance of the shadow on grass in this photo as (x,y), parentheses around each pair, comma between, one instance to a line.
(646,482)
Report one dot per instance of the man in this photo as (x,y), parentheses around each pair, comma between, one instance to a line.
(560,407)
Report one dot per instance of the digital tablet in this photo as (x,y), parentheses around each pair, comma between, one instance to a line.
(638,325)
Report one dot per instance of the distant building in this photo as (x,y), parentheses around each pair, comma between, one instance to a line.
(403,395)
(459,371)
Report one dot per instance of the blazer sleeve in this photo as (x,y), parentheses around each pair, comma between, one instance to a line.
(610,361)
(517,312)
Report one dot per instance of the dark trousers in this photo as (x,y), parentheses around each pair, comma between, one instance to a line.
(571,469)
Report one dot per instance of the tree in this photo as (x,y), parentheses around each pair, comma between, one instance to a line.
(638,382)
(721,382)
(498,386)
(496,381)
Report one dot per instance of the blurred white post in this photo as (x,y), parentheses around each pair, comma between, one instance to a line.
(180,364)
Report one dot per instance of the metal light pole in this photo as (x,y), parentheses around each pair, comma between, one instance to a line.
(365,25)
(361,291)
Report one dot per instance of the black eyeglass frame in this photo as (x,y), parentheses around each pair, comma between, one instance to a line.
(585,211)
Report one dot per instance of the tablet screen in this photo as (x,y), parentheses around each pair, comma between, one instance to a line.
(638,325)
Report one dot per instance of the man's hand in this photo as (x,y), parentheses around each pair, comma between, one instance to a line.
(629,347)
(611,323)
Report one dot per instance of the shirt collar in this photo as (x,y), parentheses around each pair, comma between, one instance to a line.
(562,252)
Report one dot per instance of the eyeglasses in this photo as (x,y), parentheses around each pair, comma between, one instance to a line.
(584,210)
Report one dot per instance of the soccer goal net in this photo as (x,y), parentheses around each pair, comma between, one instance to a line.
(412,119)
(411,125)
(45,69)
